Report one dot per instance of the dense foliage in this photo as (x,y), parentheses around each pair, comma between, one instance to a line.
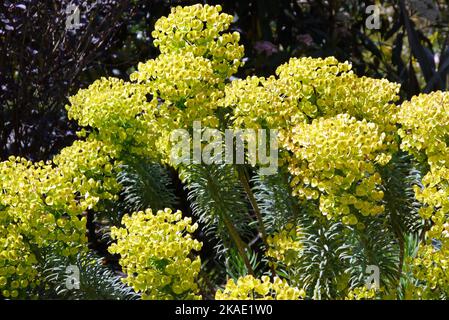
(42,62)
(363,181)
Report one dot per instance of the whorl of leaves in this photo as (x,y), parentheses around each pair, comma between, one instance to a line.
(216,198)
(96,281)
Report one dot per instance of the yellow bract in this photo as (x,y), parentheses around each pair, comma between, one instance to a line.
(285,246)
(362,293)
(200,30)
(336,129)
(325,87)
(259,102)
(41,204)
(250,288)
(333,160)
(308,88)
(155,253)
(116,110)
(425,134)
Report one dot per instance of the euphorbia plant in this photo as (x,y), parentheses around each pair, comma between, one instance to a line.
(362,180)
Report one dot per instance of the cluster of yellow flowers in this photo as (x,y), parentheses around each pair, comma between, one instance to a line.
(115,109)
(156,254)
(425,125)
(41,204)
(306,81)
(250,288)
(335,130)
(432,267)
(285,246)
(183,84)
(17,271)
(333,160)
(90,168)
(308,88)
(362,293)
(178,79)
(184,89)
(325,87)
(259,102)
(425,134)
(200,30)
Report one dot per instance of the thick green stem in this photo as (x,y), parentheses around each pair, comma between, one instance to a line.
(245,183)
(239,243)
(400,237)
(263,233)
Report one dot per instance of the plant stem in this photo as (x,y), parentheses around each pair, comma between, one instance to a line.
(262,231)
(238,243)
(245,182)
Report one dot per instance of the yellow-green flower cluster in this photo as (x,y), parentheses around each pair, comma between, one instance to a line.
(250,288)
(184,89)
(90,169)
(424,133)
(362,293)
(182,85)
(310,88)
(259,102)
(17,263)
(285,246)
(307,81)
(200,30)
(432,266)
(156,254)
(116,110)
(325,87)
(334,160)
(41,204)
(279,102)
(435,195)
(425,126)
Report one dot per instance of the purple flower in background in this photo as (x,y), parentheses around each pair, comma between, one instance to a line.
(265,47)
(306,39)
